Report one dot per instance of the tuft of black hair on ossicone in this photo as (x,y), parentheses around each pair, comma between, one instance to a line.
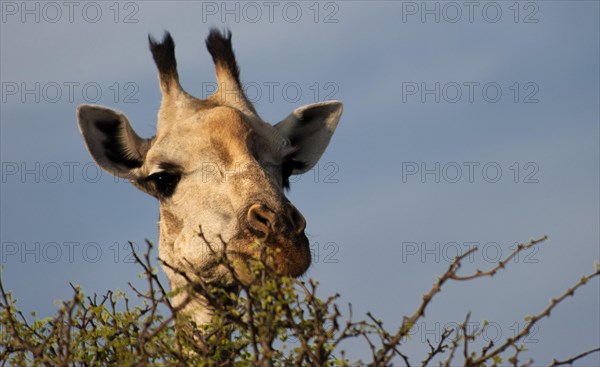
(219,45)
(164,56)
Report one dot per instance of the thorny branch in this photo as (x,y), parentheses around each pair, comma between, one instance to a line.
(384,356)
(570,361)
(252,322)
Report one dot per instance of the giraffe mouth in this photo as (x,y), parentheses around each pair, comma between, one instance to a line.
(284,256)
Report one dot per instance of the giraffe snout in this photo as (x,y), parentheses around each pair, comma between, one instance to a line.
(262,219)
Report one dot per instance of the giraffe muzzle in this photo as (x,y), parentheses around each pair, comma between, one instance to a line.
(266,222)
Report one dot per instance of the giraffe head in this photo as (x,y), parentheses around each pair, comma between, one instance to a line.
(217,169)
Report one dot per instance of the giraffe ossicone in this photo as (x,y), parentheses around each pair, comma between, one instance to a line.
(214,164)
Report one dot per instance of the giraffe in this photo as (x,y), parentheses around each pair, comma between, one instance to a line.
(216,168)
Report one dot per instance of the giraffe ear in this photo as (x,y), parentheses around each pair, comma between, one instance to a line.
(111,140)
(309,129)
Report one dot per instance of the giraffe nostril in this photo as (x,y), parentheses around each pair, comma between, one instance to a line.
(264,220)
(298,221)
(261,219)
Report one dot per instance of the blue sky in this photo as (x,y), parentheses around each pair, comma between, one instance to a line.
(503,168)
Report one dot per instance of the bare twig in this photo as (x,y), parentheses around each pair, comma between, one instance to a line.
(532,320)
(502,264)
(571,360)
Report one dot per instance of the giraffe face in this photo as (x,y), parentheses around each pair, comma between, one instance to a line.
(217,169)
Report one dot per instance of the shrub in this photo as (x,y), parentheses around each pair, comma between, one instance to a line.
(266,321)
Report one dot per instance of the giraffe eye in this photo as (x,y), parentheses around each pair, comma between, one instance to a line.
(164,182)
